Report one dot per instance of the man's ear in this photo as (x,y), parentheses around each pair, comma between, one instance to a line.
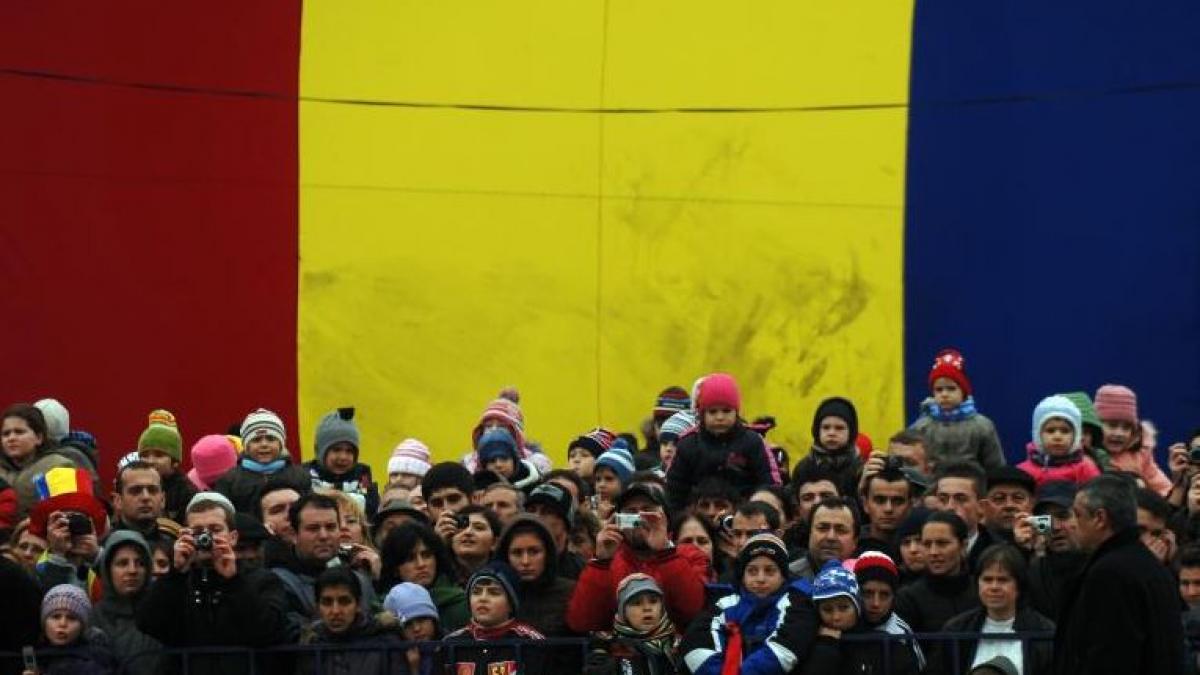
(233,538)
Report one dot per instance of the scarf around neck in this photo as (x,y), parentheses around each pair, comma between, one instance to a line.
(258,467)
(964,411)
(659,640)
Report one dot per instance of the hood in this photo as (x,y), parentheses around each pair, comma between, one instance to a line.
(117,539)
(838,407)
(528,523)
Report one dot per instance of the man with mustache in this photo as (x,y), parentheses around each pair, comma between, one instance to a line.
(833,535)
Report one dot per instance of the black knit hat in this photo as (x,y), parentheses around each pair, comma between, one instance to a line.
(761,544)
(836,407)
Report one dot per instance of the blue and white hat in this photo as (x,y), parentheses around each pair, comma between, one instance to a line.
(834,581)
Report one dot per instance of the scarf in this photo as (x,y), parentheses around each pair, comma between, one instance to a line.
(257,467)
(835,461)
(659,640)
(965,410)
(507,630)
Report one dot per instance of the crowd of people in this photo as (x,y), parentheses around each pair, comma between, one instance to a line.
(700,549)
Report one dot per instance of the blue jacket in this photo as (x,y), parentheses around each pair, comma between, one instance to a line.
(777,632)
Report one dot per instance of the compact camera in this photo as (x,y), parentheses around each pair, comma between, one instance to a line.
(628,521)
(1041,524)
(204,540)
(461,522)
(345,553)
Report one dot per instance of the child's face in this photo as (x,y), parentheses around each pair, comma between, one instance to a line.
(1057,437)
(338,608)
(264,448)
(163,463)
(946,393)
(1118,435)
(404,480)
(878,598)
(762,577)
(339,458)
(912,553)
(582,462)
(644,611)
(719,420)
(489,604)
(607,484)
(834,433)
(838,613)
(62,628)
(501,466)
(666,452)
(420,630)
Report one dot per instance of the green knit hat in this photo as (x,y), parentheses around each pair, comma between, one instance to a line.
(162,434)
(1086,409)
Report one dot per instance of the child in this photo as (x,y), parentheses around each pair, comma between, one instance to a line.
(212,457)
(336,466)
(953,429)
(493,600)
(761,627)
(611,476)
(498,453)
(1055,452)
(1092,440)
(408,464)
(345,622)
(1116,406)
(264,458)
(672,429)
(834,430)
(583,452)
(161,446)
(645,642)
(65,614)
(413,606)
(722,446)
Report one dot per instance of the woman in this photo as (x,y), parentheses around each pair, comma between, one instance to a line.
(946,589)
(474,544)
(28,548)
(26,453)
(688,528)
(1002,582)
(353,518)
(125,571)
(413,552)
(528,547)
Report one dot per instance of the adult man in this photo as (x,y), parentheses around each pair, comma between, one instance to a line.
(833,535)
(1123,614)
(812,489)
(504,500)
(680,571)
(207,600)
(909,446)
(555,508)
(887,499)
(317,524)
(1009,492)
(393,514)
(749,519)
(273,507)
(138,500)
(1056,559)
(447,487)
(959,488)
(713,498)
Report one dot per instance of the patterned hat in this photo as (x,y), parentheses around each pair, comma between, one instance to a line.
(876,566)
(70,598)
(676,426)
(263,422)
(66,489)
(1116,402)
(619,460)
(834,581)
(597,441)
(670,401)
(949,363)
(761,544)
(162,434)
(411,456)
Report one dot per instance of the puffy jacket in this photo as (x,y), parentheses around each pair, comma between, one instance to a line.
(20,476)
(1142,463)
(381,630)
(973,438)
(1078,468)
(739,456)
(115,615)
(776,632)
(243,486)
(356,481)
(680,572)
(1038,656)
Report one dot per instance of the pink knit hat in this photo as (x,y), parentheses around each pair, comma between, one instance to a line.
(719,390)
(212,456)
(411,456)
(1117,403)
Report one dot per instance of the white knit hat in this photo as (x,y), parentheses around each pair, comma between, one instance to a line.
(411,456)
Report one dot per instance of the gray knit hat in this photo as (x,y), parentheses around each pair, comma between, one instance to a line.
(336,427)
(69,598)
(632,586)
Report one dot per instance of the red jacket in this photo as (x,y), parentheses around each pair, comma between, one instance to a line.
(680,572)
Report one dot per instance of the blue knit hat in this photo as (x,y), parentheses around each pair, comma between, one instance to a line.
(496,442)
(1059,407)
(619,459)
(501,573)
(835,580)
(410,601)
(676,425)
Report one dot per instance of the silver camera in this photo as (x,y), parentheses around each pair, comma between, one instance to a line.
(1041,524)
(628,521)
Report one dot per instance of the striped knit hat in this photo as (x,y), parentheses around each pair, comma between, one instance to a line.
(1116,403)
(597,441)
(162,434)
(263,422)
(70,598)
(411,456)
(670,401)
(619,460)
(676,425)
(506,412)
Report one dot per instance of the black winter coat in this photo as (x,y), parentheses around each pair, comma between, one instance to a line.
(928,603)
(856,657)
(1038,656)
(1121,615)
(1049,576)
(243,486)
(177,493)
(739,456)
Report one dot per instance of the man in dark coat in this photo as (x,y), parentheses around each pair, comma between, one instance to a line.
(1122,614)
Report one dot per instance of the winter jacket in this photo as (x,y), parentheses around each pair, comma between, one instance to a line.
(928,603)
(543,602)
(89,655)
(451,601)
(381,630)
(469,650)
(1077,468)
(1038,656)
(775,633)
(740,456)
(970,436)
(1049,576)
(243,486)
(356,481)
(860,657)
(627,656)
(8,506)
(299,579)
(680,572)
(1141,463)
(115,615)
(20,477)
(1121,615)
(20,619)
(177,493)
(203,609)
(845,467)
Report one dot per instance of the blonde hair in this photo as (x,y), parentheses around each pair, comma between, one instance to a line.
(349,505)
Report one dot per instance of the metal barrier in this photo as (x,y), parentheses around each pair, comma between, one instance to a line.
(314,658)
